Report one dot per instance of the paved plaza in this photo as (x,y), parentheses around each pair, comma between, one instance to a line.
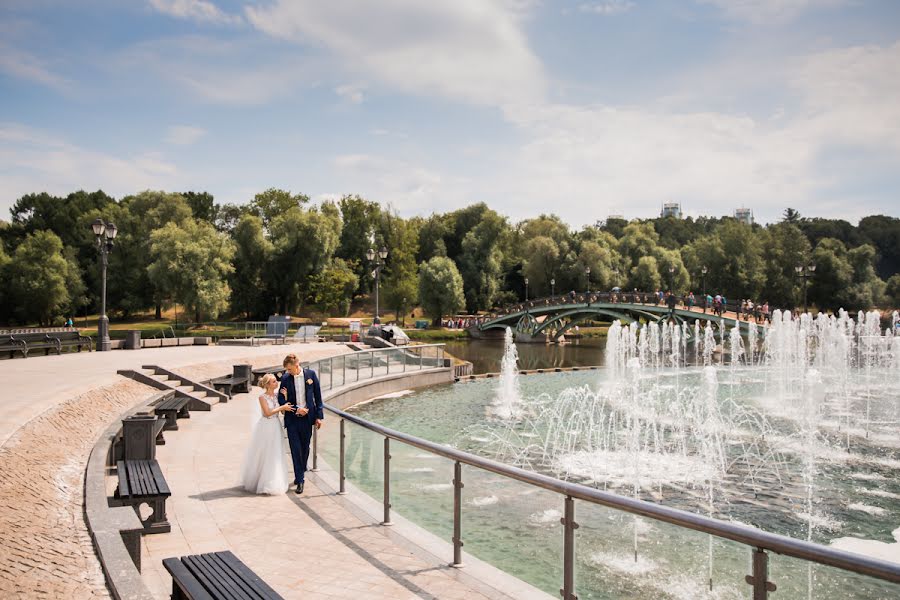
(315,545)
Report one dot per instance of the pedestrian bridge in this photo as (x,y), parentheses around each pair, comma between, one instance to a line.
(551,318)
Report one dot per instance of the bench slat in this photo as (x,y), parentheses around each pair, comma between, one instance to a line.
(185,581)
(209,579)
(121,469)
(134,478)
(225,577)
(161,484)
(242,570)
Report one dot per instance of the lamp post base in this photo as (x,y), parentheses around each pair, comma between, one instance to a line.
(103,342)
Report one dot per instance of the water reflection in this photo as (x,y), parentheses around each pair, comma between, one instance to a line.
(486,355)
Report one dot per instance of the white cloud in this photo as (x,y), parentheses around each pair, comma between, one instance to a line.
(30,155)
(470,50)
(761,12)
(410,188)
(607,7)
(26,66)
(184,135)
(351,92)
(195,10)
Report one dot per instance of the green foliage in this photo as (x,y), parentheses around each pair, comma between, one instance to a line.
(332,287)
(360,218)
(39,278)
(883,233)
(252,254)
(203,205)
(400,285)
(273,203)
(304,242)
(190,265)
(481,260)
(440,287)
(892,291)
(542,263)
(645,274)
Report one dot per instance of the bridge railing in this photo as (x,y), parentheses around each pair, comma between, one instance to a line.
(760,544)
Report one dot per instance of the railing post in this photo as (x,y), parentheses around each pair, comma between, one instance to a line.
(421,358)
(388,354)
(331,373)
(342,489)
(387,482)
(569,527)
(457,515)
(315,449)
(344,367)
(760,578)
(372,361)
(357,366)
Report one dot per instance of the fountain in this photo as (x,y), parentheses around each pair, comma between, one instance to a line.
(793,428)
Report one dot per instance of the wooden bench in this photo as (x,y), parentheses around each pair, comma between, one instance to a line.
(142,482)
(56,340)
(12,344)
(216,575)
(239,381)
(171,407)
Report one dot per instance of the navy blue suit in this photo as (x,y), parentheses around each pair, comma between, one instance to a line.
(299,429)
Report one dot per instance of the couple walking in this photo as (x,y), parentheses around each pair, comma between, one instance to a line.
(299,398)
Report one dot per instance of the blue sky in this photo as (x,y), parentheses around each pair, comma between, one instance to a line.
(581,108)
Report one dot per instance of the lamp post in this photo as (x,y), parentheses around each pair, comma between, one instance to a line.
(671,279)
(526,289)
(703,271)
(106,233)
(553,288)
(587,274)
(379,263)
(805,273)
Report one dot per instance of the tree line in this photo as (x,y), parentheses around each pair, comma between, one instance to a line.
(283,253)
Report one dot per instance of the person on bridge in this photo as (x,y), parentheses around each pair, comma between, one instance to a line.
(671,301)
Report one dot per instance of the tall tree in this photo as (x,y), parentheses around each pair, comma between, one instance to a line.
(440,288)
(304,242)
(39,279)
(190,264)
(360,219)
(203,206)
(274,203)
(481,260)
(251,259)
(785,247)
(332,287)
(401,282)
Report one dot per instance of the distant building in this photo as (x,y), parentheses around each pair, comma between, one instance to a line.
(744,215)
(671,209)
(616,216)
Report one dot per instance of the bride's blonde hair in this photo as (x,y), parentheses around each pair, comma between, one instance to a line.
(265,380)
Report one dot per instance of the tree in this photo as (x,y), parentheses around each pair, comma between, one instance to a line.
(432,237)
(785,248)
(360,218)
(440,288)
(304,242)
(251,259)
(273,203)
(333,286)
(203,206)
(791,216)
(401,283)
(481,260)
(39,279)
(229,215)
(892,291)
(190,264)
(833,276)
(645,274)
(542,261)
(884,233)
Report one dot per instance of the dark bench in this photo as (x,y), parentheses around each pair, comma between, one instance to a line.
(277,371)
(239,381)
(216,575)
(142,482)
(12,344)
(56,340)
(171,406)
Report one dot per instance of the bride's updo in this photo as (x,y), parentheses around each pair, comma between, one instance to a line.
(265,380)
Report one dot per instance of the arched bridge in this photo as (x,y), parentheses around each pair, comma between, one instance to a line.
(551,318)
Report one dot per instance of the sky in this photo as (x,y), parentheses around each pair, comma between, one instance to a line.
(584,109)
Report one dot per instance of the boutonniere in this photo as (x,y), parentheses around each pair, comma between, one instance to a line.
(309,381)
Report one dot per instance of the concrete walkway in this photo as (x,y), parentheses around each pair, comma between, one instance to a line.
(314,545)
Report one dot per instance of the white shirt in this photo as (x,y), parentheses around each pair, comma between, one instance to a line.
(300,389)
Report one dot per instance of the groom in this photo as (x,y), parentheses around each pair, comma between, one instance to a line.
(300,388)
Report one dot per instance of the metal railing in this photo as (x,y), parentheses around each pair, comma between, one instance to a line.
(367,364)
(760,542)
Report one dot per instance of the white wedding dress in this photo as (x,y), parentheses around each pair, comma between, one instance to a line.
(263,471)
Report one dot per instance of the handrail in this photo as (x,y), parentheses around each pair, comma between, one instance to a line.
(743,534)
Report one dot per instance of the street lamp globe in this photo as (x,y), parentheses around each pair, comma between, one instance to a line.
(383,253)
(704,270)
(98,226)
(111,231)
(370,254)
(812,268)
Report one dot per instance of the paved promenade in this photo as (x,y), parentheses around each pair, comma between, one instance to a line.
(54,408)
(317,545)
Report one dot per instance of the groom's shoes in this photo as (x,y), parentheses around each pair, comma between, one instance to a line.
(299,489)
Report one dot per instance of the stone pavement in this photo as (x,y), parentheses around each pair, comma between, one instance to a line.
(312,545)
(54,408)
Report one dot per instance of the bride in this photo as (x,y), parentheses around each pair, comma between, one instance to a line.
(263,471)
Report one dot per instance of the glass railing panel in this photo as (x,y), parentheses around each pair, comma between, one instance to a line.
(797,578)
(364,459)
(422,490)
